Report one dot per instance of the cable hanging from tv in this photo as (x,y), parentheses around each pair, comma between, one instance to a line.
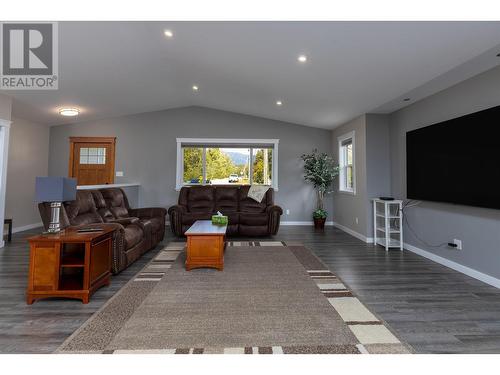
(409,204)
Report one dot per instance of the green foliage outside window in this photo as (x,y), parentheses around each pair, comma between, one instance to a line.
(259,174)
(219,165)
(193,168)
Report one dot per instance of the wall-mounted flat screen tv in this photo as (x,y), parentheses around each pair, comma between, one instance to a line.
(456,161)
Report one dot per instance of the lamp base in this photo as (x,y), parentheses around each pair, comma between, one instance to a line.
(46,232)
(55,226)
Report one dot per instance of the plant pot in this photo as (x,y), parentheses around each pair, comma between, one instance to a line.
(319,222)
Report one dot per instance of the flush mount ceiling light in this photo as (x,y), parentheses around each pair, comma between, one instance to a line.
(168,33)
(195,88)
(302,58)
(70,112)
(279,103)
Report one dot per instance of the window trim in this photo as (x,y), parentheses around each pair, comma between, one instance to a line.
(205,142)
(348,136)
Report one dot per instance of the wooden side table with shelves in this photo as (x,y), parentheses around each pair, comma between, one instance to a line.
(69,264)
(388,223)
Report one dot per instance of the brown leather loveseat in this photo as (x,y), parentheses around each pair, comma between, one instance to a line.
(246,216)
(137,230)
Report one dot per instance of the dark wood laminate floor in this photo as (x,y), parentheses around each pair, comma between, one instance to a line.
(433,308)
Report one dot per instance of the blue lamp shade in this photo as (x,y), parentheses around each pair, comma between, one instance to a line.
(55,189)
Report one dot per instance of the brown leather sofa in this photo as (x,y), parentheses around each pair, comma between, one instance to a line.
(246,216)
(137,230)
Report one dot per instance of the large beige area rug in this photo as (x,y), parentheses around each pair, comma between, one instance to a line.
(271,298)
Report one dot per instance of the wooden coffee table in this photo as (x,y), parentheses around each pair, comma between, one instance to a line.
(205,245)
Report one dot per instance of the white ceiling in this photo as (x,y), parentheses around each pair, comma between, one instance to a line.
(116,68)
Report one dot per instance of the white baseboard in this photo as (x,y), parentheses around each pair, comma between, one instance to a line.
(328,223)
(490,280)
(301,223)
(26,227)
(493,281)
(354,233)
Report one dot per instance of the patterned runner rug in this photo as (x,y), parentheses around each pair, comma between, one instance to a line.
(271,298)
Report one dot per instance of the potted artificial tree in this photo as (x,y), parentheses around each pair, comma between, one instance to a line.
(320,170)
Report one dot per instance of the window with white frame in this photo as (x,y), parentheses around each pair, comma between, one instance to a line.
(227,162)
(347,175)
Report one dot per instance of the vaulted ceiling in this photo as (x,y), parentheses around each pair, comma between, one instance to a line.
(116,68)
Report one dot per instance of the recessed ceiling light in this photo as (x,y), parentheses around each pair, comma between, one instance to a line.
(195,88)
(69,112)
(302,58)
(279,103)
(168,33)
(406,99)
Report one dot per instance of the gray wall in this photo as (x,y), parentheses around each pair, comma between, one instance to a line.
(5,107)
(478,228)
(378,163)
(146,150)
(28,158)
(347,207)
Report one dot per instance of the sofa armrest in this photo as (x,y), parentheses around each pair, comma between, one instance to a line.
(148,213)
(274,209)
(177,207)
(119,258)
(175,214)
(274,213)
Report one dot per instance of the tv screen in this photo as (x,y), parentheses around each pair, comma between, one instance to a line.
(456,161)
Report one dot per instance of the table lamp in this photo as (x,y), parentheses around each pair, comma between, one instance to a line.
(55,190)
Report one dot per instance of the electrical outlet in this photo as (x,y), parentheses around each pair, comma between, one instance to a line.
(288,211)
(357,221)
(458,243)
(119,173)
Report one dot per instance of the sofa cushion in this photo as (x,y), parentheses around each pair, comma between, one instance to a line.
(103,211)
(119,212)
(232,217)
(189,218)
(226,199)
(232,230)
(82,210)
(201,199)
(248,204)
(156,223)
(116,202)
(133,235)
(248,218)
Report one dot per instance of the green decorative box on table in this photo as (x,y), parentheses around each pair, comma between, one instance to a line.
(219,220)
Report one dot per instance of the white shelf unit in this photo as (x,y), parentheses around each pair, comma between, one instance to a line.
(388,223)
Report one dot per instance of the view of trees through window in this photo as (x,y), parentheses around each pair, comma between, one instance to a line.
(227,165)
